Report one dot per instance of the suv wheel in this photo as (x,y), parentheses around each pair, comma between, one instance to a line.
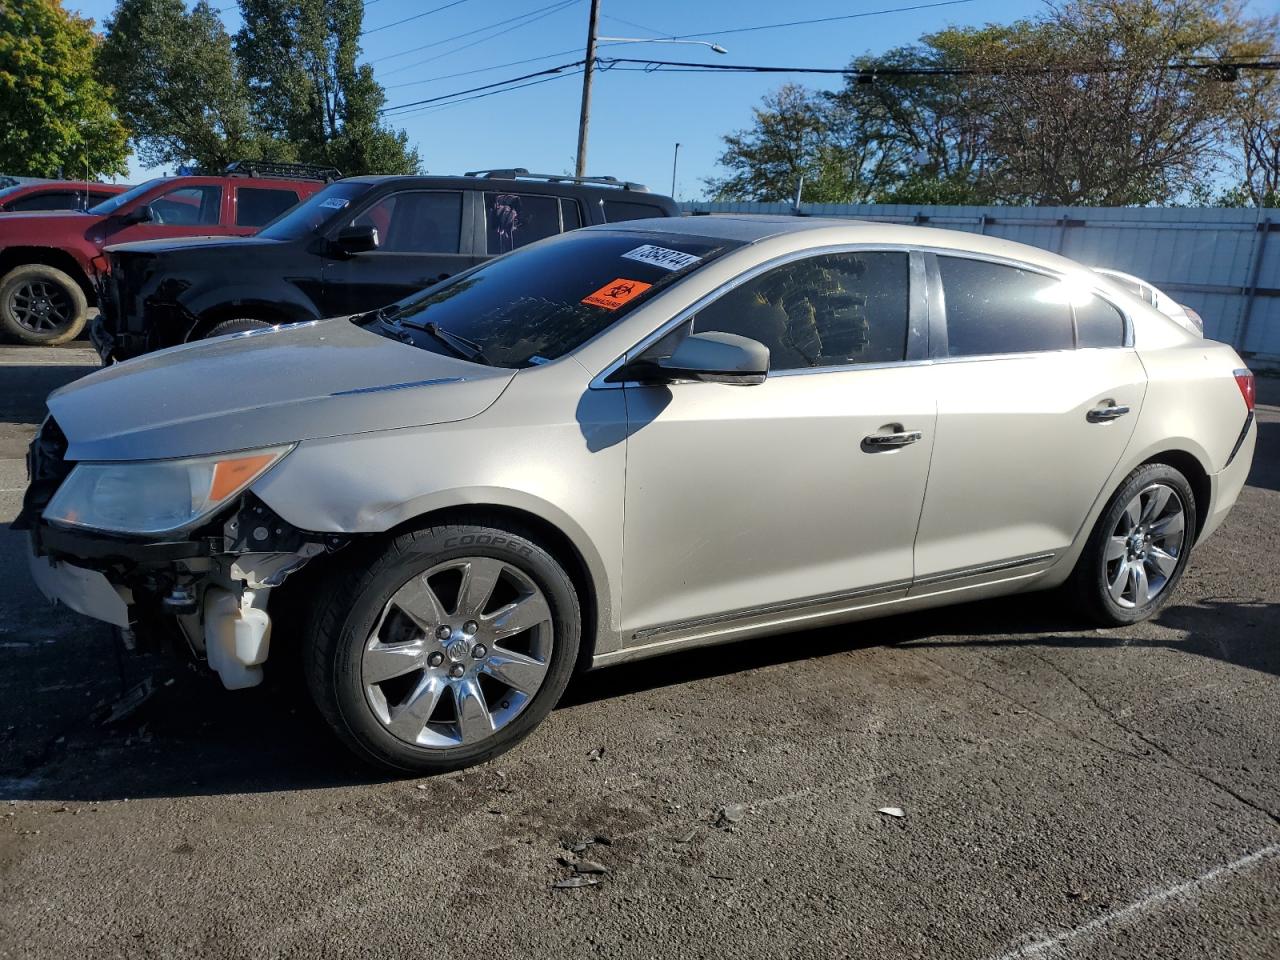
(1139,547)
(445,649)
(235,326)
(41,305)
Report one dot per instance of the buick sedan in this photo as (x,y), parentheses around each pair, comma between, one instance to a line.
(627,440)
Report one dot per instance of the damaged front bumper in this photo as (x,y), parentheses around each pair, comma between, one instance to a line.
(213,586)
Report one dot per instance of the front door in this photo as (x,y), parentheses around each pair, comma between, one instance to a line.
(798,493)
(1037,399)
(422,240)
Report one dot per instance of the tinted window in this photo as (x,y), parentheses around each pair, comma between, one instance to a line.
(513,220)
(95,197)
(993,308)
(615,211)
(1098,324)
(315,211)
(257,206)
(540,303)
(189,207)
(53,200)
(416,222)
(824,311)
(571,214)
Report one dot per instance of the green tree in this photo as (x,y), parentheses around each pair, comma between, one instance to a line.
(57,118)
(179,88)
(299,60)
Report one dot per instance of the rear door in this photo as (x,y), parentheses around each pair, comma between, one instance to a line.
(421,241)
(1038,396)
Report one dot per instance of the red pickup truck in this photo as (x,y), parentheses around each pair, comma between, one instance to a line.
(49,260)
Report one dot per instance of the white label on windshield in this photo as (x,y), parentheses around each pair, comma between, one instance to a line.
(334,203)
(661,257)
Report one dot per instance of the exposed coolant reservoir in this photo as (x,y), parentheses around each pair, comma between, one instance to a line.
(237,635)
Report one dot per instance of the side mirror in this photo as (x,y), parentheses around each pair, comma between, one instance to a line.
(358,238)
(717,358)
(139,214)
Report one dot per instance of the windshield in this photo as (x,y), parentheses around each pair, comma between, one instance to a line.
(307,217)
(120,199)
(537,304)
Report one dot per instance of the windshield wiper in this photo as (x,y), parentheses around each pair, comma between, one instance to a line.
(457,344)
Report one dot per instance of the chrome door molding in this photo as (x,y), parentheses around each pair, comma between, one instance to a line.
(1001,566)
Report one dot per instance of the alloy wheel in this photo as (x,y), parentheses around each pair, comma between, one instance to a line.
(1145,546)
(458,652)
(41,306)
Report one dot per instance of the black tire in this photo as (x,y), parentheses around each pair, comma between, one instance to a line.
(1088,585)
(41,305)
(354,600)
(235,326)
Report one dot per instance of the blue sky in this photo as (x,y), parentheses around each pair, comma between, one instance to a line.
(637,117)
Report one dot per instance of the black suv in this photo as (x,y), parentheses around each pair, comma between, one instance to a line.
(356,245)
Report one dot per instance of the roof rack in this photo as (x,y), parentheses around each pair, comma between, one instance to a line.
(272,170)
(520,173)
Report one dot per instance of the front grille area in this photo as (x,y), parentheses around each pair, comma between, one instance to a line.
(47,467)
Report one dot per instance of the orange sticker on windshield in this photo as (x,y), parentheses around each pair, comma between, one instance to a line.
(617,292)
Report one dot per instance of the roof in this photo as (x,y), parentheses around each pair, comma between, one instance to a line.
(598,186)
(754,228)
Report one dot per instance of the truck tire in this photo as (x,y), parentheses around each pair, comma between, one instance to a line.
(41,305)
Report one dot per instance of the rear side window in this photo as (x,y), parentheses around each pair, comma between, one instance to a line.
(993,308)
(570,214)
(615,211)
(831,310)
(514,220)
(417,221)
(53,200)
(258,206)
(96,198)
(1099,324)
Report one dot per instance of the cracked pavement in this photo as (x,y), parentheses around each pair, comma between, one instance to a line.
(1067,791)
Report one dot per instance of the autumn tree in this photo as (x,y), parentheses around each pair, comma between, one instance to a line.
(57,117)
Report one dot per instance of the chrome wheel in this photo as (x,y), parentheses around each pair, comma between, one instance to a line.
(1143,549)
(458,652)
(41,306)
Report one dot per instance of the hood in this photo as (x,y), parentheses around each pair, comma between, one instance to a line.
(23,225)
(307,381)
(202,245)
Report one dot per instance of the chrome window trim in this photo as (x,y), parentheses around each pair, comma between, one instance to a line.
(933,298)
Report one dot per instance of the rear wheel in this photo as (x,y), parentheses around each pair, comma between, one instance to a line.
(446,649)
(236,326)
(41,305)
(1139,547)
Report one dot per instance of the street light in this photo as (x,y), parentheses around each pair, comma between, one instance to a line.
(715,47)
(588,71)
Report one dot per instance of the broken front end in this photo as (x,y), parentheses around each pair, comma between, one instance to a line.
(165,548)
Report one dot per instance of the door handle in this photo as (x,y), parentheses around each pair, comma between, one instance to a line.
(890,441)
(1104,414)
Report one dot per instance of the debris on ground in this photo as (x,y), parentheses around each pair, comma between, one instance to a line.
(127,703)
(589,866)
(577,846)
(730,814)
(897,812)
(688,837)
(568,883)
(596,754)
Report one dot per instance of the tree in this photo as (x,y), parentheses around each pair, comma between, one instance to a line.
(57,117)
(299,60)
(179,87)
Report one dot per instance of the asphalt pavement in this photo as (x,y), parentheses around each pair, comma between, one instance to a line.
(1065,791)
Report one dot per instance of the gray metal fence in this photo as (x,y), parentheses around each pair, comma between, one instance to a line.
(1222,262)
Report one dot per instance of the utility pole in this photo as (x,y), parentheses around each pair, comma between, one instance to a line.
(674,160)
(584,118)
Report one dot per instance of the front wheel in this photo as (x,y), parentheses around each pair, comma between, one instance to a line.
(41,305)
(446,649)
(1139,547)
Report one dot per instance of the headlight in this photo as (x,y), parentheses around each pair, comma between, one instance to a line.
(155,496)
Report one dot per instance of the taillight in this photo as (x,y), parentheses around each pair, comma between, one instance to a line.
(1244,380)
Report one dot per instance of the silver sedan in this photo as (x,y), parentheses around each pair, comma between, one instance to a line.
(628,440)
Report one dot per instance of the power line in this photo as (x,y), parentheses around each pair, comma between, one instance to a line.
(468,73)
(557,5)
(869,74)
(804,23)
(661,34)
(480,96)
(488,86)
(416,16)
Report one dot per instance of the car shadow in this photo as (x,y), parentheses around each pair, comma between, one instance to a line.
(191,739)
(26,385)
(1265,473)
